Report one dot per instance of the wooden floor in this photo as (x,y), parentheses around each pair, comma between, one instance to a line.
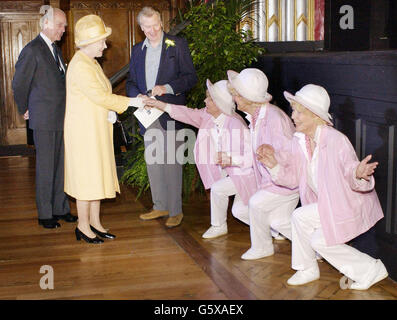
(146,260)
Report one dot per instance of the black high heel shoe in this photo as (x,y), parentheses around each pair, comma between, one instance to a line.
(103,234)
(80,235)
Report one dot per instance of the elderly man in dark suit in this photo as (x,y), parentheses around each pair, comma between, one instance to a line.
(39,92)
(161,66)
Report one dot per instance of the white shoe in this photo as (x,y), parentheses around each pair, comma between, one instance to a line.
(214,232)
(276,235)
(319,257)
(378,273)
(253,254)
(279,237)
(304,276)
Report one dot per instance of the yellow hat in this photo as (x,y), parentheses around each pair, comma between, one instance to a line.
(90,29)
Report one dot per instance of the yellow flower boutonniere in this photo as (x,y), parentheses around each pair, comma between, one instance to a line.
(169,43)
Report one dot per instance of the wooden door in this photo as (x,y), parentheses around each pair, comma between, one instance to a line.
(17,29)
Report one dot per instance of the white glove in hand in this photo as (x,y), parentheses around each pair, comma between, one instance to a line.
(112,117)
(136,102)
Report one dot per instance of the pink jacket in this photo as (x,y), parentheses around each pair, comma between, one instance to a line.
(276,129)
(235,140)
(347,207)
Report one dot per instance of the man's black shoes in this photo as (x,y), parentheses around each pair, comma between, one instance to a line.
(53,222)
(49,223)
(66,217)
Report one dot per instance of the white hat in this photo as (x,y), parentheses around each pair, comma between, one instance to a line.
(313,97)
(221,96)
(251,84)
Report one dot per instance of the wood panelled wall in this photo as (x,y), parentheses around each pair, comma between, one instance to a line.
(120,15)
(19,21)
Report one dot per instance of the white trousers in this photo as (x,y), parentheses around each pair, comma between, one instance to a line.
(270,211)
(220,193)
(308,237)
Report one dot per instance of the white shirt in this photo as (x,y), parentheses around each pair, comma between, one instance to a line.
(254,132)
(216,136)
(312,167)
(49,44)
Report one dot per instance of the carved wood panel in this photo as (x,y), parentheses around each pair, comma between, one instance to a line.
(16,31)
(117,54)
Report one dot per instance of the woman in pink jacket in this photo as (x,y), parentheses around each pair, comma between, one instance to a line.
(272,205)
(337,193)
(222,153)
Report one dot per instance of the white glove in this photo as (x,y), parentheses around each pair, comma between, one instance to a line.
(112,117)
(136,102)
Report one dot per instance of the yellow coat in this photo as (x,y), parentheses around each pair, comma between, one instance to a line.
(90,167)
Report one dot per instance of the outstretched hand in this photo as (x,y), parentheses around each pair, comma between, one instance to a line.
(265,154)
(153,103)
(364,169)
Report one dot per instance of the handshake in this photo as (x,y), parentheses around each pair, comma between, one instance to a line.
(141,102)
(137,103)
(147,102)
(134,102)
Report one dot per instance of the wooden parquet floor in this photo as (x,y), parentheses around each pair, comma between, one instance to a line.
(146,260)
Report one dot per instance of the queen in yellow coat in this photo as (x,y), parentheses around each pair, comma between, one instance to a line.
(90,168)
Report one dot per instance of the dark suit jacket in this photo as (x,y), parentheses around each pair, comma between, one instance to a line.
(176,69)
(39,86)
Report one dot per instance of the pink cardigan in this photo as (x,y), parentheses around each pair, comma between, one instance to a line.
(276,129)
(347,207)
(235,137)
